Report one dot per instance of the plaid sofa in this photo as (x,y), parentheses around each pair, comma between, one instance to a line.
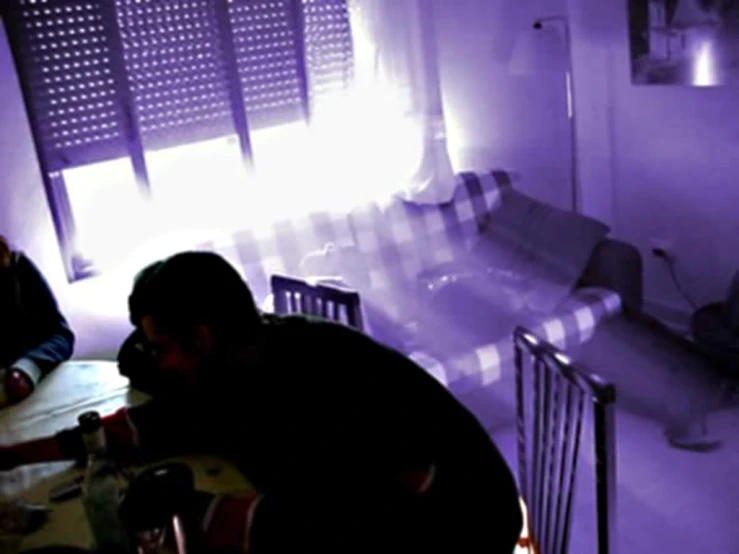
(397,241)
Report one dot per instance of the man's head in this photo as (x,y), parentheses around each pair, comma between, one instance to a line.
(194,309)
(6,253)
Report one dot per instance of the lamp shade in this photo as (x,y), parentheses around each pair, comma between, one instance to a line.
(539,50)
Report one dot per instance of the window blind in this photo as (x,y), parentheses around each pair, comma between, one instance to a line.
(64,55)
(101,76)
(329,52)
(268,48)
(107,79)
(174,61)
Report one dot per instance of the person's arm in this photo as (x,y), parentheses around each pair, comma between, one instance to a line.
(151,431)
(55,337)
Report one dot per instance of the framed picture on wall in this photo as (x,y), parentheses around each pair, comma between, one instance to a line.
(684,42)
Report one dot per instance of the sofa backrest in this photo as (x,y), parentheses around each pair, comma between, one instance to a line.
(399,239)
(278,248)
(396,239)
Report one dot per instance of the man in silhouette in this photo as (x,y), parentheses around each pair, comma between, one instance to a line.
(350,446)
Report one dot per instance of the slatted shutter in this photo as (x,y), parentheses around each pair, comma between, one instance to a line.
(174,60)
(107,79)
(65,60)
(329,52)
(268,45)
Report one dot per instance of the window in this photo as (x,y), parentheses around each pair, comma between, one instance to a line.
(172,98)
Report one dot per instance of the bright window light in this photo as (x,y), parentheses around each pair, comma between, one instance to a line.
(108,211)
(363,145)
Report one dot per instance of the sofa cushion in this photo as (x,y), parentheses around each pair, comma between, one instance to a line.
(546,248)
(489,361)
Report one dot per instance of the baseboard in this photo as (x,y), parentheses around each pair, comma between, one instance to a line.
(677,318)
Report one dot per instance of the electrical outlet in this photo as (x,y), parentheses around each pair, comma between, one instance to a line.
(662,248)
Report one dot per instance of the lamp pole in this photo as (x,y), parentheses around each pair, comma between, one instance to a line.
(569,82)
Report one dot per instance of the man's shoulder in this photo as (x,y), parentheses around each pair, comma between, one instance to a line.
(316,331)
(304,325)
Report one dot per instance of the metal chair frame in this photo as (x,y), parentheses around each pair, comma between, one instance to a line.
(548,489)
(292,295)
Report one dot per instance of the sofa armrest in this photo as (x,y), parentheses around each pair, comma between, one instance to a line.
(618,266)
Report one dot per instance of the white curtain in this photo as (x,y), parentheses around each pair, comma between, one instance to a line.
(400,38)
(387,133)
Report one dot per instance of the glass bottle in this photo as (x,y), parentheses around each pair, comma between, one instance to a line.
(100,488)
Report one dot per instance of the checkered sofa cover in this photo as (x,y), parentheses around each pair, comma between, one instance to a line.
(397,241)
(279,248)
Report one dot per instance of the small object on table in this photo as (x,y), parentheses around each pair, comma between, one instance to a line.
(66,491)
(21,518)
(101,487)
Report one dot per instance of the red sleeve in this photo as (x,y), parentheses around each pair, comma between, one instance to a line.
(154,429)
(122,435)
(121,430)
(227,522)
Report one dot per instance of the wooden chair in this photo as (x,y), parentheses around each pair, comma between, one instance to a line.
(291,296)
(551,396)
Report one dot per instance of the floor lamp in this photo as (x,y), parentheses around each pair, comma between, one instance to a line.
(543,49)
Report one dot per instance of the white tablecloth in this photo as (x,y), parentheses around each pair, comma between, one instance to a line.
(73,388)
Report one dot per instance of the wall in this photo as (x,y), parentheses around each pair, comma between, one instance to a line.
(674,161)
(496,119)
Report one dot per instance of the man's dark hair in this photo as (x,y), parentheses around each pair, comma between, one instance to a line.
(194,288)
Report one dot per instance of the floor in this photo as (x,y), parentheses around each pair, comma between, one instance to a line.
(667,500)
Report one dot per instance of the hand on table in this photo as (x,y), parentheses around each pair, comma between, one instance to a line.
(15,385)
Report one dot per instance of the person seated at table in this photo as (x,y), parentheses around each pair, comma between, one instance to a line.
(349,445)
(34,335)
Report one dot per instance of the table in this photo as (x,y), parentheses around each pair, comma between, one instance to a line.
(73,388)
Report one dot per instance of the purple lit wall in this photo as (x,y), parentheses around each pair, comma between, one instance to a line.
(665,157)
(496,119)
(23,211)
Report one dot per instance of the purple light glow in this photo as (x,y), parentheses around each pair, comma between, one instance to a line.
(705,72)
